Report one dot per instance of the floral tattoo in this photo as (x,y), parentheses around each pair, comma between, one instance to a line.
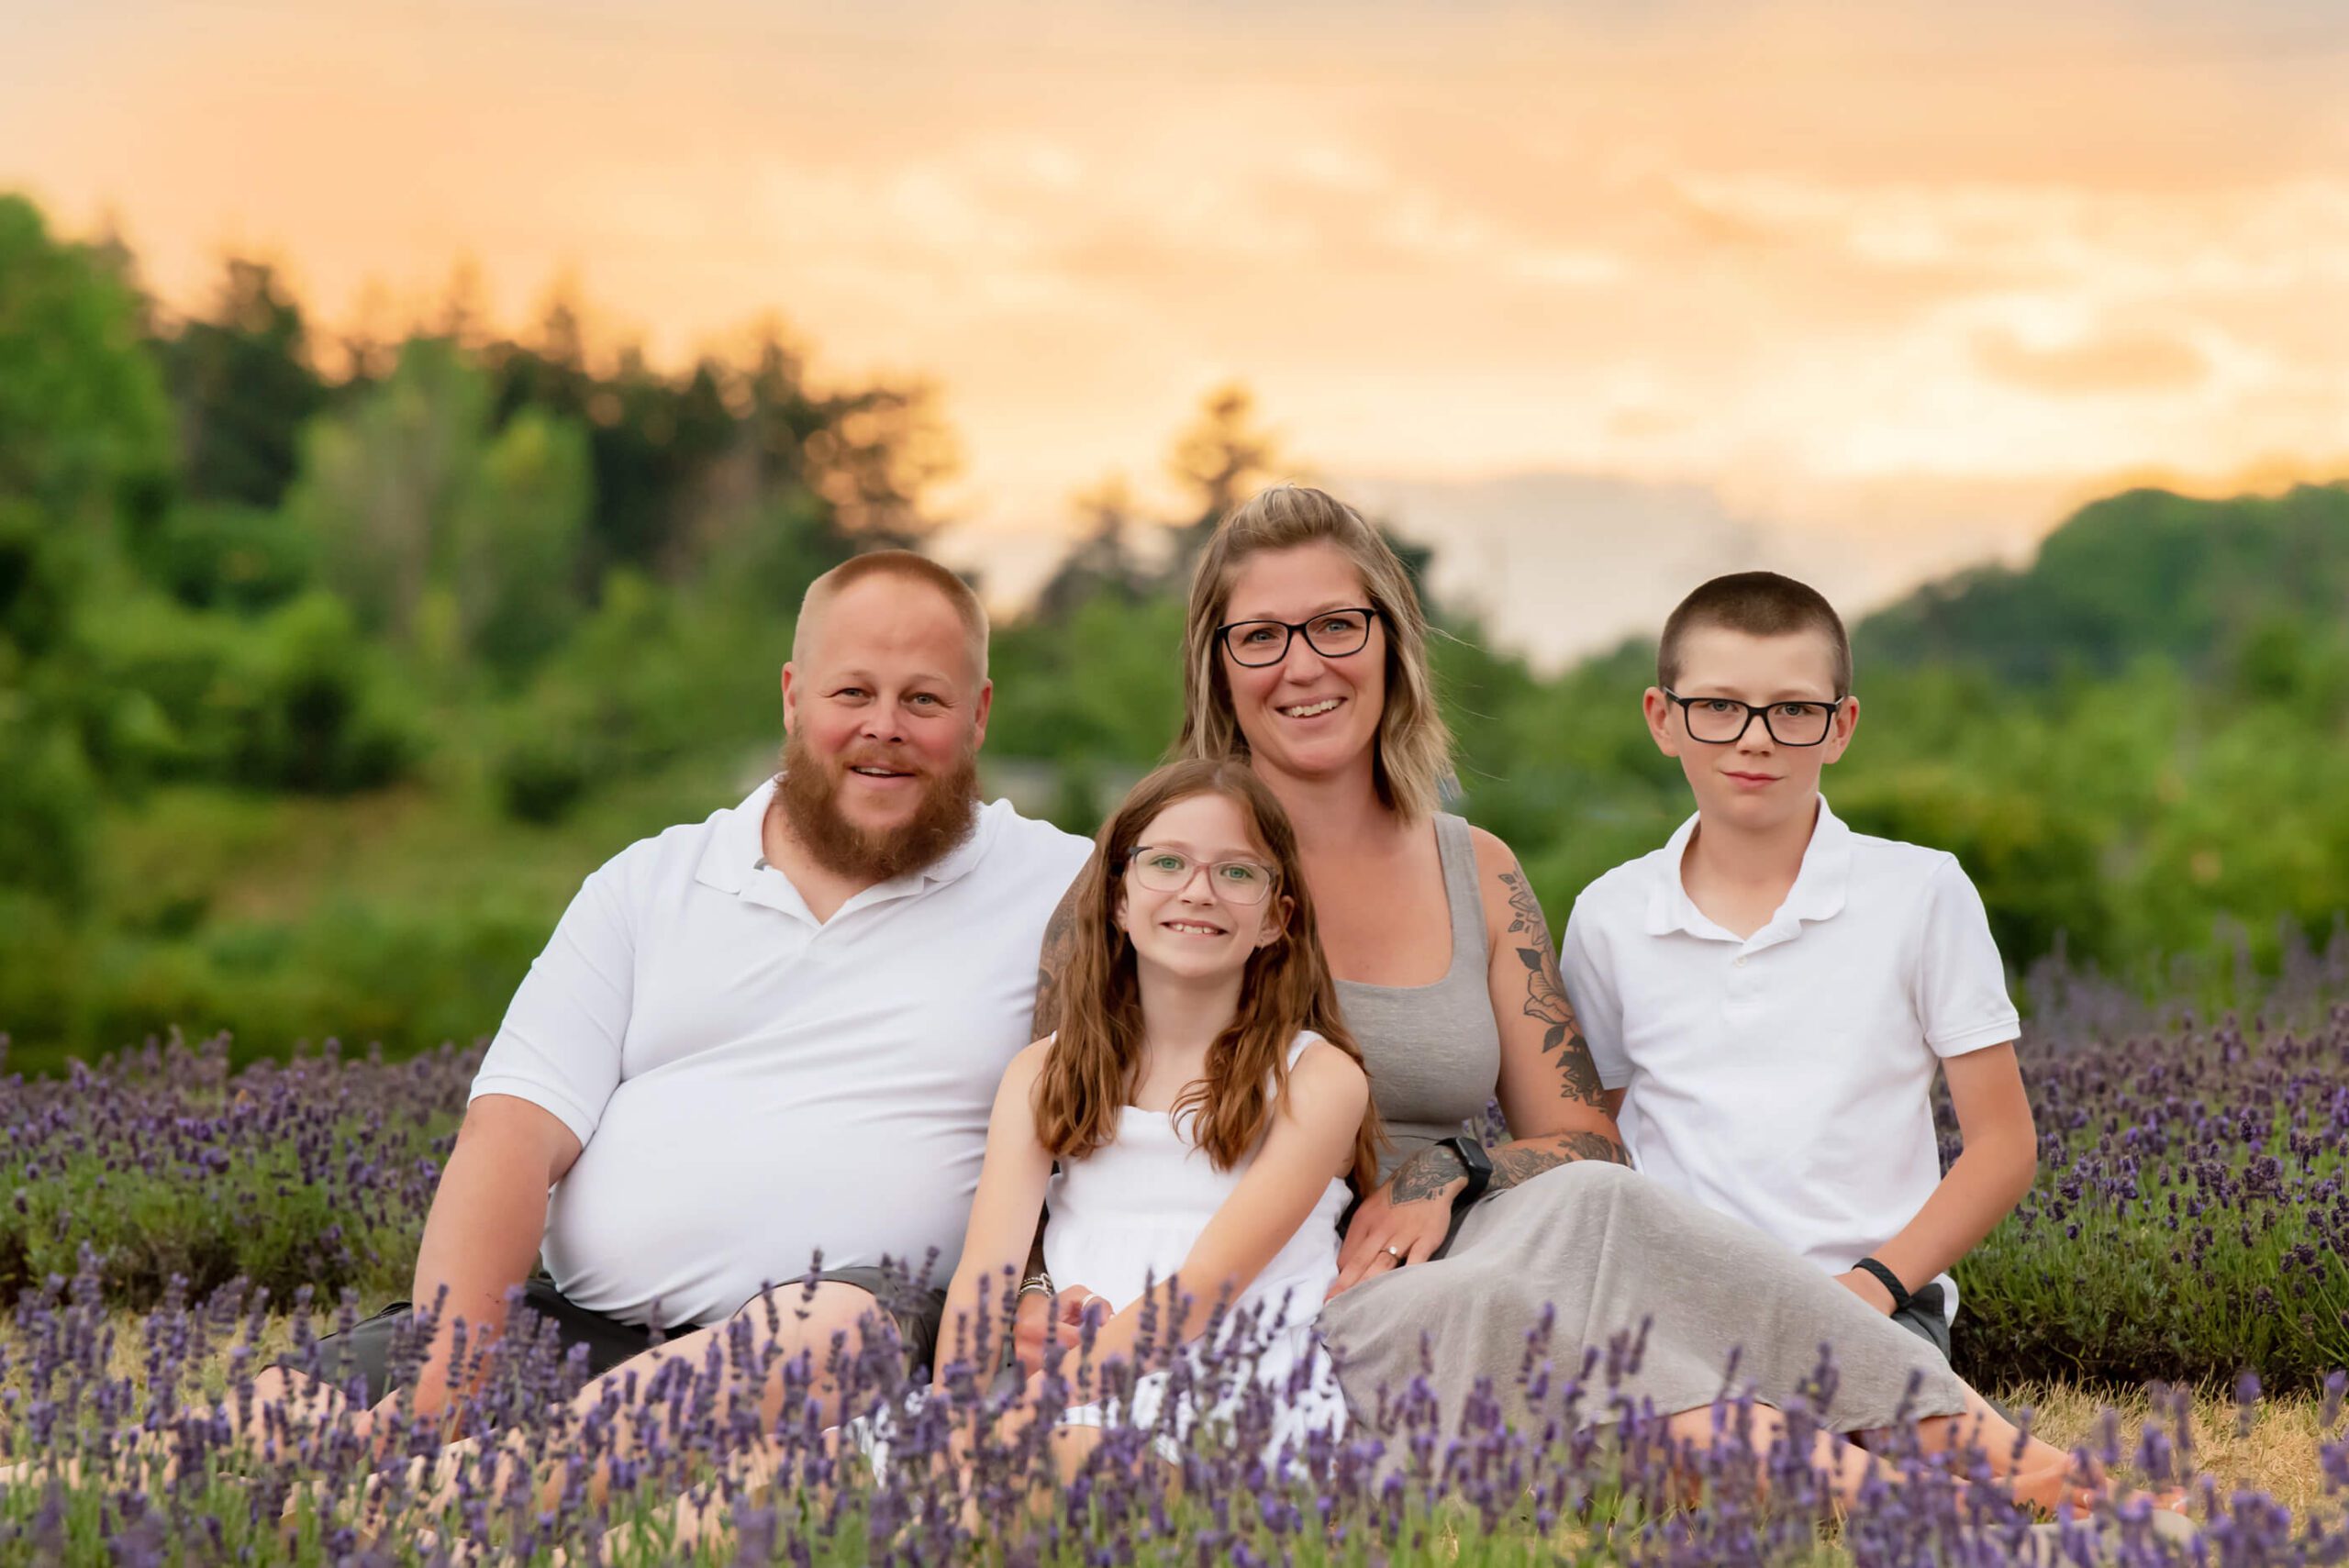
(1545,993)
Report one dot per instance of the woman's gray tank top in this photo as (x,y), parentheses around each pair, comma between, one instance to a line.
(1433,1052)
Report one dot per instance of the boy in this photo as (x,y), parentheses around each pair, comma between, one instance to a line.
(1767,997)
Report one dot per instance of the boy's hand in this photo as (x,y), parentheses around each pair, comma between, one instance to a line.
(1868,1288)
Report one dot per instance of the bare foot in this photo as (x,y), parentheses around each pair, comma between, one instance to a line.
(2051,1490)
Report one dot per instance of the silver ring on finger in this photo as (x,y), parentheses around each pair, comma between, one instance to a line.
(1395,1252)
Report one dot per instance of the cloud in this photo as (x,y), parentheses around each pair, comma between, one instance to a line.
(1558,565)
(1794,251)
(2119,362)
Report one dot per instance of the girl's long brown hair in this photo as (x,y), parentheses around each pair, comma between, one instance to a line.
(1089,1073)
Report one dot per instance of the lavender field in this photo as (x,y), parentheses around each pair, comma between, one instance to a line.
(169,1226)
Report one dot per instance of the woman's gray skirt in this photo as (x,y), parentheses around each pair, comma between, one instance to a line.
(1607,1249)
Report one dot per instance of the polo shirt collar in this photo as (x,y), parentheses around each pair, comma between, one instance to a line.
(737,845)
(1669,907)
(737,851)
(1826,876)
(1817,894)
(957,862)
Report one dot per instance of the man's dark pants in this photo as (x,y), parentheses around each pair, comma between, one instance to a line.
(364,1350)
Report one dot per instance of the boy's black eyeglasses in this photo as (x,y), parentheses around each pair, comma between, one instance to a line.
(1332,634)
(1716,721)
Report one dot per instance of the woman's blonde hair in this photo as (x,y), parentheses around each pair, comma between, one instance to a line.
(1091,1066)
(1411,764)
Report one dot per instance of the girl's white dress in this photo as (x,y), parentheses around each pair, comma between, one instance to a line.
(1124,1219)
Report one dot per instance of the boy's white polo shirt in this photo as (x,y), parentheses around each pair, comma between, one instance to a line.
(1784,1078)
(752,1087)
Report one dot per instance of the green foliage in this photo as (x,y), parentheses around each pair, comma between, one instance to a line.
(46,832)
(243,386)
(650,678)
(381,484)
(457,543)
(43,571)
(84,429)
(2143,574)
(514,546)
(294,700)
(224,555)
(1102,685)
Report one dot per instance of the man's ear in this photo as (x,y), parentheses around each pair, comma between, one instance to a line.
(790,698)
(984,705)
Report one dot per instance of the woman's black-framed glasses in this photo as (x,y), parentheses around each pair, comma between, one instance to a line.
(1169,871)
(1718,721)
(1332,634)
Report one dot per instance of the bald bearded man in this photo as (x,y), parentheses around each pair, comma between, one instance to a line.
(763,1048)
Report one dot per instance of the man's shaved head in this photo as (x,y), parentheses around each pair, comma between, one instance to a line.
(905,566)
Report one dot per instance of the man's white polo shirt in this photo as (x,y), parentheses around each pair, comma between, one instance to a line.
(752,1087)
(1784,1078)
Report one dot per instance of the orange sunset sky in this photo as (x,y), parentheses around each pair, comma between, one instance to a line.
(1599,298)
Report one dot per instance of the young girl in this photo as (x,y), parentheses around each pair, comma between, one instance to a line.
(1207,1107)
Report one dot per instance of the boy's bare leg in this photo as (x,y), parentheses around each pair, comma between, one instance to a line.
(2040,1474)
(2005,1447)
(1846,1465)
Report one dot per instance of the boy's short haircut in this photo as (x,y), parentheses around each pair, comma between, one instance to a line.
(1759,604)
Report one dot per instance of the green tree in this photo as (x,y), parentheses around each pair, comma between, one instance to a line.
(85,467)
(1221,458)
(1102,562)
(381,481)
(516,532)
(443,536)
(84,428)
(243,386)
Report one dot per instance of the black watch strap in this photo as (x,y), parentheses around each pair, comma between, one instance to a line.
(1890,1281)
(1479,1166)
(1476,1161)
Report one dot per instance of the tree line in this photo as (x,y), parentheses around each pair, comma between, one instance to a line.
(329,666)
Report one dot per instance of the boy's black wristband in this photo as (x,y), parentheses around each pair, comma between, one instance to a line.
(1889,1280)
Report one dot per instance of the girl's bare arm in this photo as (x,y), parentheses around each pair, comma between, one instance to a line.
(1311,1145)
(1003,1220)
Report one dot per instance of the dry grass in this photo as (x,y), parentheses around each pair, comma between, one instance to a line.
(2276,1454)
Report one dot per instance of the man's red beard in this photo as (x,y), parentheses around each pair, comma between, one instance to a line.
(808,797)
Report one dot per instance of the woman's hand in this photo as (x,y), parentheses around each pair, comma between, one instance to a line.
(1058,1317)
(1403,1221)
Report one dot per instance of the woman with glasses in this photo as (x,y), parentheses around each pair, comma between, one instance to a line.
(1305,656)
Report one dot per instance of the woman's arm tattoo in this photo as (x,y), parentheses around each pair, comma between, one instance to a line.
(1518,1163)
(1545,993)
(1425,1174)
(1052,962)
